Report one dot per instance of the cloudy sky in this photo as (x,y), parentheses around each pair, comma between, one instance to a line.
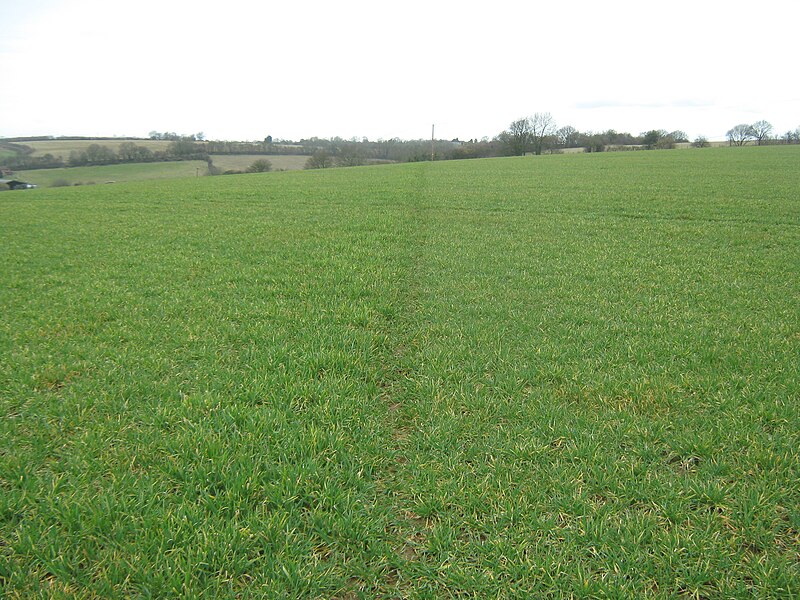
(244,69)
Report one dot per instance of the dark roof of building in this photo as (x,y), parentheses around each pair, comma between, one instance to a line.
(12,183)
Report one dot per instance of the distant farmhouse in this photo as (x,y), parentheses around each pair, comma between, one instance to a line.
(15,184)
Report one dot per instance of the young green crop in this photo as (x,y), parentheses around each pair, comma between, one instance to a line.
(561,376)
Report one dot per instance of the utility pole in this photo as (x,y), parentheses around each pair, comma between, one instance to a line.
(433,143)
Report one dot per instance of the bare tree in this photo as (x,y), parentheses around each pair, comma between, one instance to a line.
(740,134)
(761,131)
(97,154)
(568,137)
(679,136)
(542,126)
(130,152)
(651,139)
(350,155)
(262,165)
(518,137)
(321,159)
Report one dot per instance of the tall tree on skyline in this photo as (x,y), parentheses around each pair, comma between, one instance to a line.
(542,126)
(739,135)
(761,131)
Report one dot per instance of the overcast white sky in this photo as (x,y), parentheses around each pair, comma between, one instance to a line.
(243,69)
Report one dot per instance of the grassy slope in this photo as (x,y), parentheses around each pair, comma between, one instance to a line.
(63,148)
(240,162)
(116,173)
(564,375)
(155,170)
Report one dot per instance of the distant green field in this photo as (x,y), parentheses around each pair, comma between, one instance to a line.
(63,148)
(240,162)
(557,376)
(115,173)
(155,170)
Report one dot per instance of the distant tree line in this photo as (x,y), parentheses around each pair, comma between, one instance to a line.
(174,137)
(529,135)
(130,152)
(537,134)
(100,154)
(760,133)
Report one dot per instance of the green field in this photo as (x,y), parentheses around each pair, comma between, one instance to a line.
(152,170)
(241,162)
(557,376)
(63,148)
(114,173)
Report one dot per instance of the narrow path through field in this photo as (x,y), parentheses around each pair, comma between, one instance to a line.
(397,382)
